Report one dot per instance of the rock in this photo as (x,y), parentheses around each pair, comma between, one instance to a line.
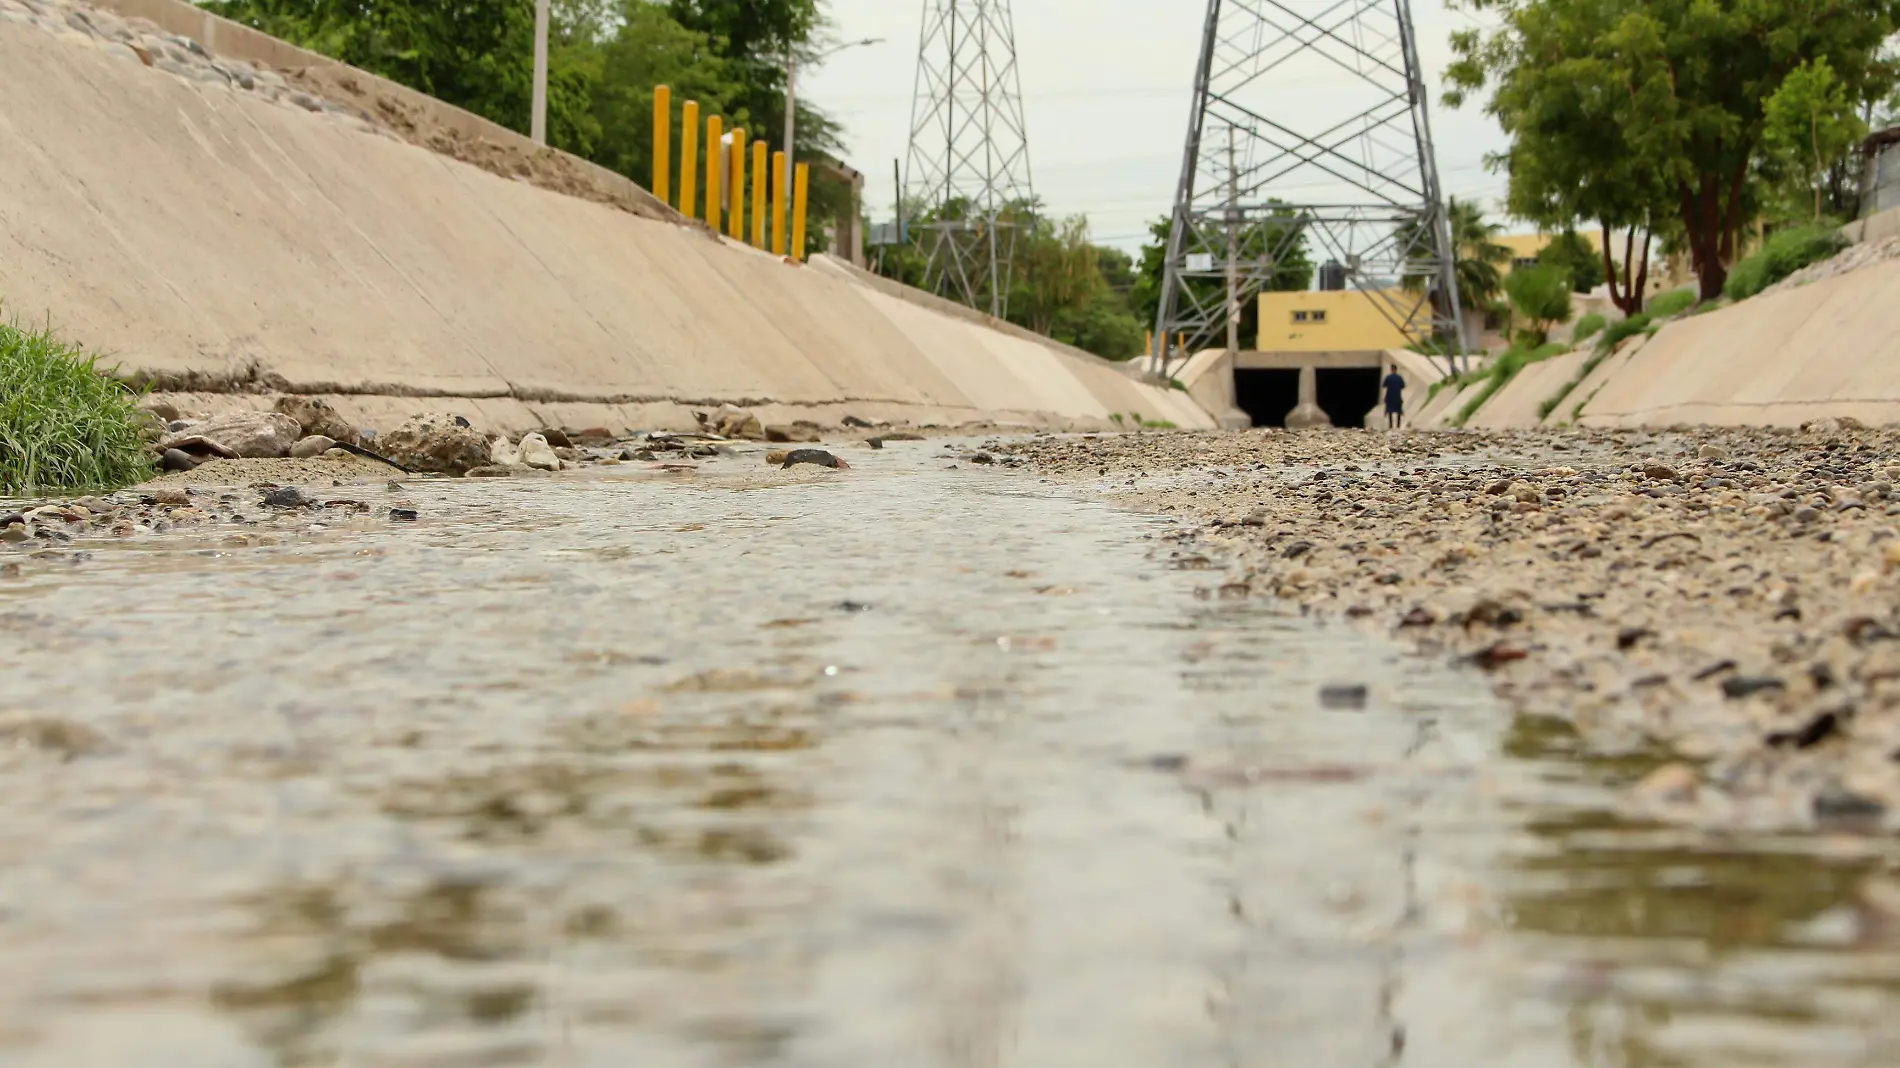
(535,452)
(318,419)
(1671,784)
(503,453)
(981,458)
(337,454)
(732,421)
(813,456)
(240,434)
(1806,514)
(1500,487)
(491,471)
(777,456)
(314,445)
(163,409)
(403,515)
(854,421)
(1838,804)
(557,438)
(287,497)
(15,532)
(779,433)
(170,498)
(1711,452)
(1343,695)
(1660,472)
(1736,687)
(875,443)
(436,443)
(177,460)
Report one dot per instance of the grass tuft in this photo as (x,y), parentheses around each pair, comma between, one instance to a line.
(1587,327)
(1674,302)
(63,425)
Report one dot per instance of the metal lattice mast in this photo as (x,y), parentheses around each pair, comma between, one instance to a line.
(968,165)
(1309,125)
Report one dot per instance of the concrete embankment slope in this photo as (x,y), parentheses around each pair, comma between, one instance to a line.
(237,247)
(1829,348)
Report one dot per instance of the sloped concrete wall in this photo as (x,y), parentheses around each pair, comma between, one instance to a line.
(192,232)
(1831,348)
(1516,404)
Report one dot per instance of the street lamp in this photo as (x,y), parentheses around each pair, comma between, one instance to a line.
(791,99)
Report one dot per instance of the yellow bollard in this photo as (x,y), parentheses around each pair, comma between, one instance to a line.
(689,155)
(759,172)
(715,169)
(801,185)
(778,203)
(736,199)
(662,141)
(1150,350)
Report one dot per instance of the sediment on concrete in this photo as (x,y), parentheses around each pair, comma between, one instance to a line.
(231,249)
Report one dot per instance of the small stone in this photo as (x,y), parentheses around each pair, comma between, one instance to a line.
(875,443)
(1671,784)
(813,456)
(777,457)
(312,446)
(170,498)
(1806,514)
(286,497)
(491,471)
(854,421)
(9,571)
(1736,687)
(537,452)
(1500,487)
(403,515)
(1838,804)
(778,433)
(15,532)
(981,458)
(1660,472)
(1711,452)
(557,438)
(1343,695)
(177,460)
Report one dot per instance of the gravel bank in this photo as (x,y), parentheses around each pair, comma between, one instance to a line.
(1724,597)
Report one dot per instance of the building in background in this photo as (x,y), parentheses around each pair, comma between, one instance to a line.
(844,233)
(1336,320)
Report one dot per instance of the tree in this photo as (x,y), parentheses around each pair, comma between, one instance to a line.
(1809,123)
(648,48)
(1282,236)
(1541,295)
(1573,256)
(1479,255)
(1649,114)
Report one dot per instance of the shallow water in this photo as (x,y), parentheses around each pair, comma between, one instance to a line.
(893,766)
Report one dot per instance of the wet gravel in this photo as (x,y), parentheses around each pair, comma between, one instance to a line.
(1728,594)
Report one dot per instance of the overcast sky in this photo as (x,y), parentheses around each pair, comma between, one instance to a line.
(1106,87)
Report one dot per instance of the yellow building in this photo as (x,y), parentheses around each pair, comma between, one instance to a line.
(1339,320)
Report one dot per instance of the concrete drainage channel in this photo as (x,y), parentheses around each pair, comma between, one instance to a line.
(891,765)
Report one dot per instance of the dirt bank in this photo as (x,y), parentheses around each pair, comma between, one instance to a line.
(1726,594)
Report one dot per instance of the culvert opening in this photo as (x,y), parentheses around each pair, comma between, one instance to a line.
(1266,395)
(1348,393)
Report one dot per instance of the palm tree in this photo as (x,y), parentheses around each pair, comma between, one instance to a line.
(1479,256)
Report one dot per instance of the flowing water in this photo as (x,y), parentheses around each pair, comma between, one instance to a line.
(894,766)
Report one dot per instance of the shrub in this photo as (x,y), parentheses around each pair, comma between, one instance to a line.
(63,425)
(1674,302)
(1587,327)
(1781,255)
(1540,294)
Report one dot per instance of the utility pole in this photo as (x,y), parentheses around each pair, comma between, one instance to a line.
(538,121)
(1233,247)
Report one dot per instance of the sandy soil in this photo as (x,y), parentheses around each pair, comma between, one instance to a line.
(1727,595)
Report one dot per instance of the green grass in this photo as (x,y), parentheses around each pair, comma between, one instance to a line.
(1781,255)
(1499,374)
(1674,302)
(63,425)
(1587,326)
(1614,335)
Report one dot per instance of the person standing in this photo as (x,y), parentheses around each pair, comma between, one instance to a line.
(1394,400)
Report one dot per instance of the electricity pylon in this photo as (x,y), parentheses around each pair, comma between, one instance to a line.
(1309,137)
(968,166)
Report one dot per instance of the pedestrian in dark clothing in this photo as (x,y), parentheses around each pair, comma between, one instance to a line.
(1394,400)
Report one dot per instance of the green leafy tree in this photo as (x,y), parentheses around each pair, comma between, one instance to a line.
(647,48)
(1281,235)
(1570,253)
(1629,110)
(1542,296)
(1480,257)
(1810,124)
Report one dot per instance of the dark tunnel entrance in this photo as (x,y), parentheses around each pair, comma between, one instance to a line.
(1348,393)
(1266,395)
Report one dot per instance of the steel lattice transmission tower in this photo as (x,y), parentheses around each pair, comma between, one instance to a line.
(968,164)
(1309,124)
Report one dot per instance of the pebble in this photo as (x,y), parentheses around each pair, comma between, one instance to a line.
(812,456)
(403,515)
(1343,695)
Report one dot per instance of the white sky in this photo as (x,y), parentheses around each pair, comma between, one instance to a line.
(1106,87)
